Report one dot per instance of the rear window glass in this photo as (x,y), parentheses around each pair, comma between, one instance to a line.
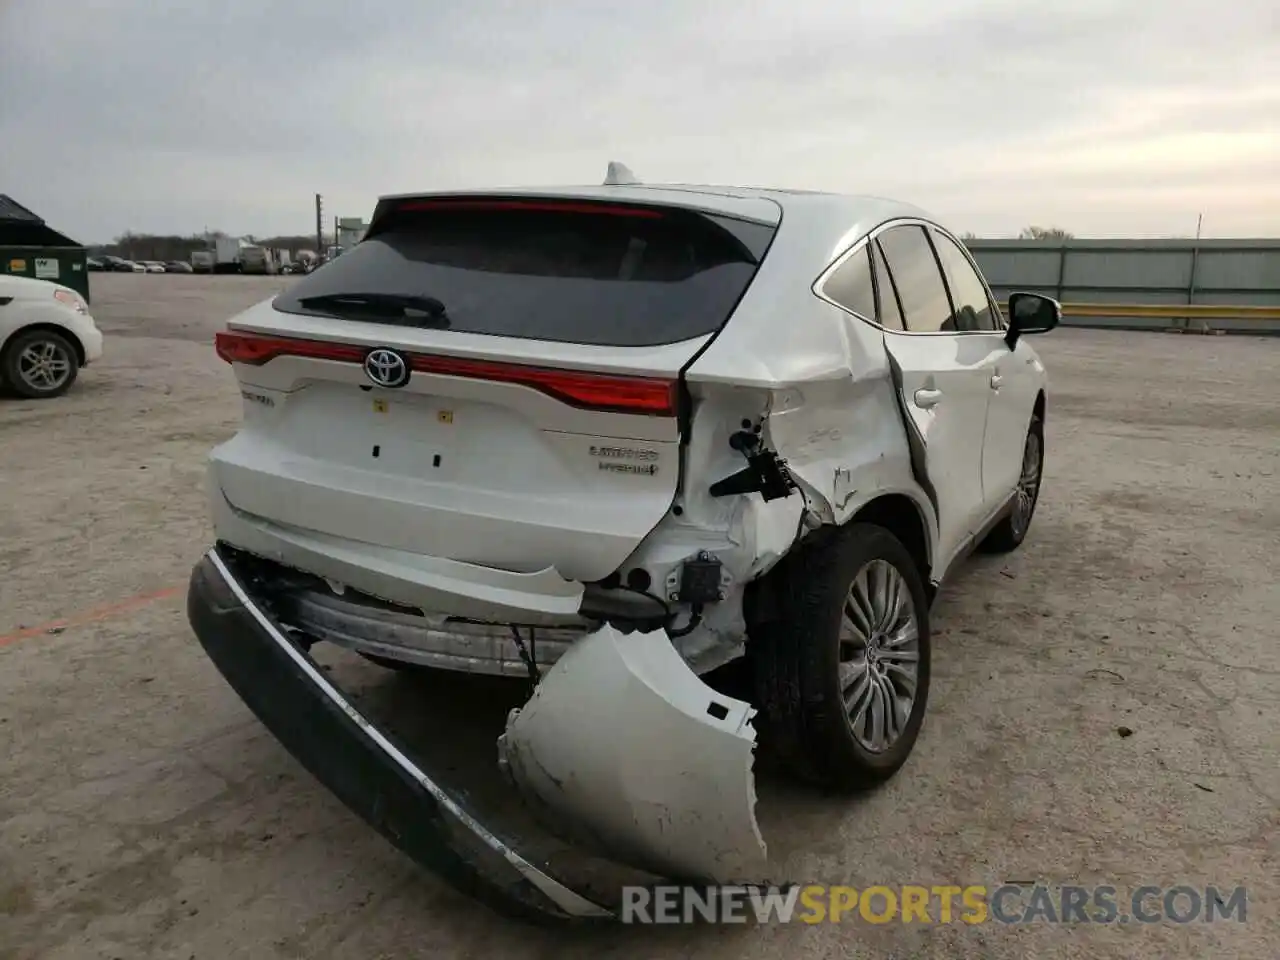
(566,272)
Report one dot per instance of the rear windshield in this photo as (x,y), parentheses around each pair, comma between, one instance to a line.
(584,273)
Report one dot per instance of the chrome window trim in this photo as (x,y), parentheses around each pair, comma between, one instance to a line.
(818,287)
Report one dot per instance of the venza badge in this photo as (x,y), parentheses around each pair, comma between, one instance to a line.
(386,368)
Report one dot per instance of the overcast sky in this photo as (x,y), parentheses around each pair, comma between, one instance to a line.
(1105,117)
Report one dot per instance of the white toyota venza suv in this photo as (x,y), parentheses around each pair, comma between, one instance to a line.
(613,438)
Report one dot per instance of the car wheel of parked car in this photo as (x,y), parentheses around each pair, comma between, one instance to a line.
(38,364)
(841,663)
(1009,533)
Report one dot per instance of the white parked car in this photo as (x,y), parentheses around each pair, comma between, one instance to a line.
(615,437)
(153,266)
(46,335)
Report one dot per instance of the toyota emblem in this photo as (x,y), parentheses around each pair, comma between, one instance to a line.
(386,368)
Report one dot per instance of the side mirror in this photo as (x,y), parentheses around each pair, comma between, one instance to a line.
(1031,313)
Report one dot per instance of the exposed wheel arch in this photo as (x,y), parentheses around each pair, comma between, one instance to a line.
(901,516)
(895,512)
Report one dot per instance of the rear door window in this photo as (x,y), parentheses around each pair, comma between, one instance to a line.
(887,305)
(973,308)
(917,279)
(564,271)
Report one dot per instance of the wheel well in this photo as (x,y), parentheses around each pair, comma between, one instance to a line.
(895,512)
(52,328)
(1039,407)
(901,517)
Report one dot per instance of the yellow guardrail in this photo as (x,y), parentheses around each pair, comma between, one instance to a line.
(1171,311)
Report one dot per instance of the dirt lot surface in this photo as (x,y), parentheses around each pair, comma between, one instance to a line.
(144,812)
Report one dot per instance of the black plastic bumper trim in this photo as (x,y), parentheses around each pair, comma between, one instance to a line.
(361,764)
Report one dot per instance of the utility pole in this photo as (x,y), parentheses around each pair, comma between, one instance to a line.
(319,225)
(1195,261)
(1191,278)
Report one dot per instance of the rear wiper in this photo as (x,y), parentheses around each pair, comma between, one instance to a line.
(381,307)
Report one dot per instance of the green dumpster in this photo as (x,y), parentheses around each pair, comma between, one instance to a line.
(31,248)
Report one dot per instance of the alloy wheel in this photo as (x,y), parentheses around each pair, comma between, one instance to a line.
(1028,488)
(879,656)
(44,365)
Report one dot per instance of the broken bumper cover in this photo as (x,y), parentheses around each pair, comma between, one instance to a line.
(370,773)
(622,746)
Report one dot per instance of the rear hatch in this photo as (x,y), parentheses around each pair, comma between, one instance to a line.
(535,420)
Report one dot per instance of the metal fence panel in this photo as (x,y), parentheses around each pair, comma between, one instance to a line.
(1140,272)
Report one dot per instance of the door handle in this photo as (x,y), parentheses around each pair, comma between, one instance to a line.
(996,380)
(927,397)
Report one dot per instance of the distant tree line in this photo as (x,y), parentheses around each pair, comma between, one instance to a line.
(150,246)
(1044,233)
(1030,233)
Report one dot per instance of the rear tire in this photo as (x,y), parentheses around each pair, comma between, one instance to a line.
(819,700)
(39,364)
(1007,535)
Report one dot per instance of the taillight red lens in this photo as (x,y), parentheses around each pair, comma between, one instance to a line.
(255,349)
(594,391)
(652,396)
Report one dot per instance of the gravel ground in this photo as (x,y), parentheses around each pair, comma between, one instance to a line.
(144,812)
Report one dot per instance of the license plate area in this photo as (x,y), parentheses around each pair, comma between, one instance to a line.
(411,434)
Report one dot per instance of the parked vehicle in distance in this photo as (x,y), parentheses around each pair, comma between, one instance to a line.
(177,266)
(121,265)
(93,264)
(202,261)
(226,251)
(256,259)
(46,335)
(152,266)
(617,437)
(137,266)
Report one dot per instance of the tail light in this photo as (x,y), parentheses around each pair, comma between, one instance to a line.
(651,396)
(256,349)
(592,391)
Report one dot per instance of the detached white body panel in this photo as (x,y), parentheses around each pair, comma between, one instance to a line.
(623,748)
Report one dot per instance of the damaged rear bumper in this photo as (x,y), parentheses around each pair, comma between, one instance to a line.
(622,746)
(370,773)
